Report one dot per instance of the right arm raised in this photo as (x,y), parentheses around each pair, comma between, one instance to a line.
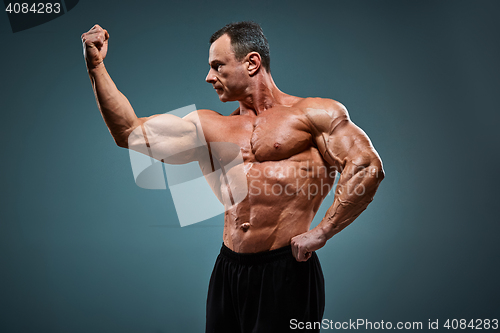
(166,134)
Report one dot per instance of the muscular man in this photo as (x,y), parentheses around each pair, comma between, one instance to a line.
(267,274)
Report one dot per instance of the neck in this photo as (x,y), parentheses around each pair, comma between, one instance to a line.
(262,94)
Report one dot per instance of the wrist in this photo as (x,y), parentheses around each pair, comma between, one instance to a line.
(321,233)
(95,69)
(325,230)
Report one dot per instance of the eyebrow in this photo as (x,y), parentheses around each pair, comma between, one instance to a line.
(214,62)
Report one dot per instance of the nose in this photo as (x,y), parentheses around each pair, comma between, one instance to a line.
(211,78)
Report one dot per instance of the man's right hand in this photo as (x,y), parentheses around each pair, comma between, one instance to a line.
(95,46)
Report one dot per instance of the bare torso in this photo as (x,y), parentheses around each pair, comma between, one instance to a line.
(288,150)
(286,177)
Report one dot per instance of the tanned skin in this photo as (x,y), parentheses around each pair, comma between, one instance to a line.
(291,147)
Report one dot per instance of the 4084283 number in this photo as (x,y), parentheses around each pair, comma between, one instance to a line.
(478,324)
(35,8)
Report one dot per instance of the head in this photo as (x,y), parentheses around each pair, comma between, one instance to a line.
(238,52)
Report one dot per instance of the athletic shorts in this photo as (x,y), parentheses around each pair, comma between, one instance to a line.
(264,292)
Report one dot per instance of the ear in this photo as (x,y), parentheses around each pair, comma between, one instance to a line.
(253,62)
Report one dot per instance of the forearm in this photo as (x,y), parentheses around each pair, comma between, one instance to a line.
(115,108)
(355,190)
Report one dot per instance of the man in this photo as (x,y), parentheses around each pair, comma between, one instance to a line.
(267,276)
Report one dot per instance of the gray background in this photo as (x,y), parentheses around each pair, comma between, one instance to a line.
(83,249)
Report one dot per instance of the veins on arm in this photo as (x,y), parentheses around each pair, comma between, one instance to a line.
(345,146)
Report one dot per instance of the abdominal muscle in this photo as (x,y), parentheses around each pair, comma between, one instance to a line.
(282,199)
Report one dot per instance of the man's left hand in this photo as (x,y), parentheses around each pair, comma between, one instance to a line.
(304,244)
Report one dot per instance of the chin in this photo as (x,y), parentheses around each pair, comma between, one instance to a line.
(223,98)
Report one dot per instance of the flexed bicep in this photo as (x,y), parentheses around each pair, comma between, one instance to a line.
(167,138)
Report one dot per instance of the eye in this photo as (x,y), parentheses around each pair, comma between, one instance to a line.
(216,66)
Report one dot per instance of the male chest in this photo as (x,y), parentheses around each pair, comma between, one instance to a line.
(276,134)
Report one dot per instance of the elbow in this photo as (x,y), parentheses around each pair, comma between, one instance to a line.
(369,166)
(127,137)
(377,169)
(121,143)
(122,137)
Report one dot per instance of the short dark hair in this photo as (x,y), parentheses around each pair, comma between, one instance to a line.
(246,37)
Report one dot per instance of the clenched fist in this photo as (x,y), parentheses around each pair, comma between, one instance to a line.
(304,244)
(95,46)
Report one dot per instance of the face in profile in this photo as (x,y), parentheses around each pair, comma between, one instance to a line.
(227,74)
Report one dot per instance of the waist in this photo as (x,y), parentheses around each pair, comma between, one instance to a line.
(256,258)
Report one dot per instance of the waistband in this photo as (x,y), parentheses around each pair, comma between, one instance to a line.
(257,258)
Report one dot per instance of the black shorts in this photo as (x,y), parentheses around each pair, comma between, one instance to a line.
(264,292)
